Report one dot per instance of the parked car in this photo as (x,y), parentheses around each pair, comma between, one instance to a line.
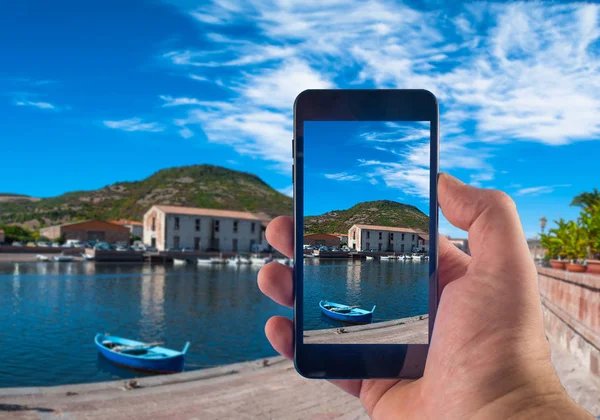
(43,244)
(102,246)
(188,249)
(174,249)
(55,245)
(150,249)
(308,247)
(17,244)
(122,248)
(31,244)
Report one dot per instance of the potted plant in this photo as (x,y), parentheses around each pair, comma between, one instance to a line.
(575,247)
(554,243)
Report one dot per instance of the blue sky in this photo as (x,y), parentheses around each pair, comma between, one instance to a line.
(97,92)
(348,162)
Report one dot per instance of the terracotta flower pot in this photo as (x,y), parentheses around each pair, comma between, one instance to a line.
(593,266)
(558,264)
(576,268)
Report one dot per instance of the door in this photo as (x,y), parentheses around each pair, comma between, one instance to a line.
(235,245)
(153,242)
(176,241)
(197,244)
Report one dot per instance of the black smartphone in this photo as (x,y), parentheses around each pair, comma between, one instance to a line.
(366,222)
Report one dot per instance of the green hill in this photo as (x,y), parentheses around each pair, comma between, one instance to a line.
(381,213)
(194,186)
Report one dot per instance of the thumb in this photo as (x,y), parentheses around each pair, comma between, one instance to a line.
(496,238)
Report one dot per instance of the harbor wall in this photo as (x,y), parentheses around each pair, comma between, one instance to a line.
(571,306)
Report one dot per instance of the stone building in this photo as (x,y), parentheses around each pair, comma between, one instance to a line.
(90,230)
(320,239)
(168,227)
(383,238)
(136,228)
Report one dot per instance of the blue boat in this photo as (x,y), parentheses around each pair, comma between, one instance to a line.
(139,355)
(345,313)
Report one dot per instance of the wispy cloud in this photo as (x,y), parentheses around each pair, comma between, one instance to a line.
(134,124)
(289,191)
(40,105)
(544,189)
(343,176)
(509,82)
(186,133)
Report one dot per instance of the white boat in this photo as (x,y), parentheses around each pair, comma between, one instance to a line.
(387,257)
(238,261)
(63,258)
(217,260)
(87,257)
(426,257)
(256,260)
(369,257)
(204,262)
(178,261)
(416,257)
(284,261)
(40,257)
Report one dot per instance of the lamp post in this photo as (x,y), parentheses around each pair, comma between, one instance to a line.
(543,222)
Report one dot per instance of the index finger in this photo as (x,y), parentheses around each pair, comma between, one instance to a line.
(280,234)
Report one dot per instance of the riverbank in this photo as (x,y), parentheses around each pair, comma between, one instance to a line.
(266,389)
(411,330)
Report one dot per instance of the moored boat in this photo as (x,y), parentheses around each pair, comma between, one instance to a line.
(63,258)
(368,257)
(345,313)
(40,257)
(258,260)
(139,355)
(178,261)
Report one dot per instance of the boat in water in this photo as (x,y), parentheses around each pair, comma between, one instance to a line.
(178,261)
(284,261)
(258,260)
(345,313)
(238,261)
(63,258)
(368,257)
(388,257)
(139,355)
(43,258)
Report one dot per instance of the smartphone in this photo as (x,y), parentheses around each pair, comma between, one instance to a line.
(366,224)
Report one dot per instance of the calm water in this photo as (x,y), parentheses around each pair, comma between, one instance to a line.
(50,313)
(399,289)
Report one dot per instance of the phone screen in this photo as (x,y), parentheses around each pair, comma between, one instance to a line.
(366,232)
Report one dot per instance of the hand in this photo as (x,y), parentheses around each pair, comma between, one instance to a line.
(489,357)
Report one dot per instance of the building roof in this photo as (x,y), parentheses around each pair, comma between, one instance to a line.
(321,234)
(123,222)
(424,236)
(192,211)
(91,221)
(340,234)
(388,228)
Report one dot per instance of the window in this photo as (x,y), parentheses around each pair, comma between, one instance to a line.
(153,223)
(176,241)
(235,226)
(380,247)
(197,244)
(380,235)
(197,225)
(177,223)
(403,237)
(216,225)
(353,234)
(235,245)
(368,235)
(253,227)
(368,245)
(413,237)
(391,236)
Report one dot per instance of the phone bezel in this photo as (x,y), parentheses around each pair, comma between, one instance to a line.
(360,361)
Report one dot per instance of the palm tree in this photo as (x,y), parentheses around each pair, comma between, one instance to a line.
(587,200)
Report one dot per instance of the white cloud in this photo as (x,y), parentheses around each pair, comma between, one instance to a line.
(134,124)
(544,189)
(40,105)
(342,176)
(186,133)
(289,191)
(170,101)
(532,75)
(197,77)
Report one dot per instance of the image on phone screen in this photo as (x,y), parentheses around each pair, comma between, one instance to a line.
(366,232)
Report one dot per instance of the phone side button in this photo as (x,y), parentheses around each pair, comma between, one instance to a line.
(292,173)
(293,151)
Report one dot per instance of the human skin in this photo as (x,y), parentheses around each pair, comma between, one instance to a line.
(489,357)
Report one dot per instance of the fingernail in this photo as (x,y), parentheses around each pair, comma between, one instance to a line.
(452,179)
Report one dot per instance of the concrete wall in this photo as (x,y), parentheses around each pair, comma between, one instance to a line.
(154,236)
(571,304)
